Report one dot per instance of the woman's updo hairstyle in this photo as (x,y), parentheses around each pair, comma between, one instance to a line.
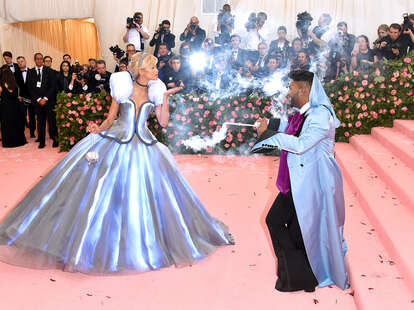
(141,60)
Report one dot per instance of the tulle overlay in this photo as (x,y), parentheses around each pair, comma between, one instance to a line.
(132,211)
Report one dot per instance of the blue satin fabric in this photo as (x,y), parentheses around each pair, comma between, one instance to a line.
(317,191)
(132,211)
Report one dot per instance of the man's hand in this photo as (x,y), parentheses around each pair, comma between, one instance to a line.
(42,102)
(396,51)
(162,64)
(116,59)
(383,44)
(262,125)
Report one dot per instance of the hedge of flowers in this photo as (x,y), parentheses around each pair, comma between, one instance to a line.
(75,112)
(363,100)
(202,115)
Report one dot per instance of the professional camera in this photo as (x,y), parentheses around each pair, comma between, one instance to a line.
(193,26)
(133,21)
(162,30)
(252,22)
(344,38)
(379,41)
(407,23)
(117,51)
(78,70)
(304,21)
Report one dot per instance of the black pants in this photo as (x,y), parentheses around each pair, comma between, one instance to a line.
(46,113)
(30,109)
(293,271)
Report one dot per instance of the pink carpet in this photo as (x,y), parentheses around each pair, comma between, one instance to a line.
(237,190)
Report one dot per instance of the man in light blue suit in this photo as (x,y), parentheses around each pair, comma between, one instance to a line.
(307,218)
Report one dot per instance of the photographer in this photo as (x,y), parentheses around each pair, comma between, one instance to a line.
(79,79)
(396,44)
(408,30)
(163,35)
(362,56)
(225,25)
(100,80)
(237,56)
(130,51)
(302,61)
(280,47)
(163,56)
(320,35)
(174,75)
(136,33)
(260,61)
(347,40)
(193,34)
(252,39)
(383,31)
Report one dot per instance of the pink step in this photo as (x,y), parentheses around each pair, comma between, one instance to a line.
(397,142)
(405,126)
(376,283)
(393,221)
(393,171)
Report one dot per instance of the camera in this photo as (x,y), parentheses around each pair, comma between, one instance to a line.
(117,51)
(79,74)
(304,21)
(193,26)
(132,21)
(379,41)
(252,21)
(407,23)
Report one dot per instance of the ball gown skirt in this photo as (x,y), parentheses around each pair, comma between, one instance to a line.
(132,211)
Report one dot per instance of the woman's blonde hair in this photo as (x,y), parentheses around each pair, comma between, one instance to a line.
(383,27)
(141,60)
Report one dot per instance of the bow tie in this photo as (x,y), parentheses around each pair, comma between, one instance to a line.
(10,65)
(25,70)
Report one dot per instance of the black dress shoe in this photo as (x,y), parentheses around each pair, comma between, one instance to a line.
(37,140)
(41,146)
(55,143)
(309,290)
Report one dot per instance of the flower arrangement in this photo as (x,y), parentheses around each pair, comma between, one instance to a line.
(363,100)
(75,112)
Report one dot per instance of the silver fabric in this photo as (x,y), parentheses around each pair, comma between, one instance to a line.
(132,211)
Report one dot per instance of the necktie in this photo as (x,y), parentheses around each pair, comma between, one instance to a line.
(283,178)
(39,76)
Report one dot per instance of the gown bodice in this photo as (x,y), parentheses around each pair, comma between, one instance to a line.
(129,123)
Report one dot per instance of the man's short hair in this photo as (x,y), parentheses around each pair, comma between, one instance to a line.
(302,76)
(101,62)
(92,59)
(37,54)
(175,57)
(136,14)
(51,59)
(261,15)
(163,44)
(8,54)
(165,22)
(340,24)
(20,57)
(123,61)
(67,55)
(396,26)
(130,44)
(262,43)
(282,28)
(328,18)
(235,36)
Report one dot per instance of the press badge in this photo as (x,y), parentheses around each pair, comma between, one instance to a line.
(39,84)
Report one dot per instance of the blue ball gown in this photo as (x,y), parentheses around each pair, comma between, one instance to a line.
(131,211)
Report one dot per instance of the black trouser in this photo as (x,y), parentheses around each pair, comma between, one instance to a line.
(46,113)
(32,118)
(294,271)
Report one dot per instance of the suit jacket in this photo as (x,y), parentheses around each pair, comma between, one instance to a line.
(240,59)
(317,190)
(195,41)
(47,87)
(23,86)
(169,39)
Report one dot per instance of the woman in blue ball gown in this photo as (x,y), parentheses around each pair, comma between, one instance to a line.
(131,211)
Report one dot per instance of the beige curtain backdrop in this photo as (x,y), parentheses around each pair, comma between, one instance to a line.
(363,16)
(54,38)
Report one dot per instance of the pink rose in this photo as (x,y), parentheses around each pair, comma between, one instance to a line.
(364,82)
(407,60)
(392,111)
(358,124)
(396,74)
(69,95)
(393,92)
(346,134)
(356,73)
(404,109)
(356,95)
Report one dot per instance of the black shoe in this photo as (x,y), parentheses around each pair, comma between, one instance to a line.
(32,136)
(55,143)
(37,140)
(309,290)
(41,145)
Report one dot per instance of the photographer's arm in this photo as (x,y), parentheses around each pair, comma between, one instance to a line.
(125,37)
(107,123)
(315,39)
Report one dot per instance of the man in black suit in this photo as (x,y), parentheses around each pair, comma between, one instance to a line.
(41,83)
(8,59)
(163,35)
(237,55)
(24,95)
(100,81)
(47,62)
(130,51)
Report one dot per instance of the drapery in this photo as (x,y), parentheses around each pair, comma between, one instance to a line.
(53,38)
(362,16)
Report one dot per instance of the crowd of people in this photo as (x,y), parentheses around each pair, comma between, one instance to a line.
(228,63)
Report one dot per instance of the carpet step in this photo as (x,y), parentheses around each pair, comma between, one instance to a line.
(397,142)
(374,280)
(392,220)
(393,171)
(405,126)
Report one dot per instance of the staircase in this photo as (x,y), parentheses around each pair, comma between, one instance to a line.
(378,172)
